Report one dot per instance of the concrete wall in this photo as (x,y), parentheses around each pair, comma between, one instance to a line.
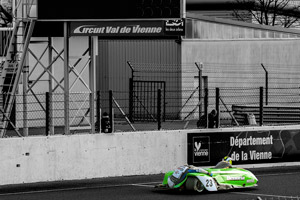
(75,157)
(36,159)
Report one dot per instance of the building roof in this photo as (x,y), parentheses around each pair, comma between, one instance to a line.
(236,23)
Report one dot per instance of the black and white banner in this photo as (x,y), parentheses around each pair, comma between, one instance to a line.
(128,28)
(244,147)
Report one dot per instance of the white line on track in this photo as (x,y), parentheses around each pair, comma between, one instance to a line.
(81,188)
(142,185)
(265,195)
(288,173)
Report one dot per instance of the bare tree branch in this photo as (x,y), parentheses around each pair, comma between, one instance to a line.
(5,17)
(269,12)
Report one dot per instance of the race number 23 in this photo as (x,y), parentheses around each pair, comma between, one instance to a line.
(209,183)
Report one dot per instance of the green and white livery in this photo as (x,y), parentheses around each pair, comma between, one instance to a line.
(221,177)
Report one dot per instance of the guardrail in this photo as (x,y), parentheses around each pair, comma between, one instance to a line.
(271,113)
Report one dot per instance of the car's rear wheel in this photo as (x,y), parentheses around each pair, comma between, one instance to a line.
(192,183)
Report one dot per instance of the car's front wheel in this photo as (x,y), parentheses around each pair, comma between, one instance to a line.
(192,183)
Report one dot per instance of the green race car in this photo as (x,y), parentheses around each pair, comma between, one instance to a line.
(221,177)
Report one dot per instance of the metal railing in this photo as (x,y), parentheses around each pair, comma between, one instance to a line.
(233,106)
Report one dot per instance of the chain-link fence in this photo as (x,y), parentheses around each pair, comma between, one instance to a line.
(234,105)
(172,96)
(155,110)
(41,112)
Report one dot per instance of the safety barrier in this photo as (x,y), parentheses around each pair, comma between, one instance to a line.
(87,156)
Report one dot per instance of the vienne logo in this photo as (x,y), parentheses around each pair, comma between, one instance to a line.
(201,147)
(197,146)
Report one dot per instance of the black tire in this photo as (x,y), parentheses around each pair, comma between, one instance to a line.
(193,183)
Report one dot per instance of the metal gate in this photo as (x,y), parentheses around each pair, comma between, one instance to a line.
(143,100)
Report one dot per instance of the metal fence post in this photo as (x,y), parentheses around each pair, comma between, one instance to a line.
(130,99)
(159,109)
(131,96)
(25,104)
(98,113)
(200,67)
(51,85)
(111,109)
(218,107)
(47,114)
(206,106)
(261,105)
(93,42)
(66,80)
(266,83)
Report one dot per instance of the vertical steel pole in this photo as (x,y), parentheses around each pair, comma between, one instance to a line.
(218,107)
(206,106)
(267,87)
(131,93)
(200,90)
(66,80)
(261,106)
(183,8)
(159,109)
(111,110)
(98,114)
(206,102)
(48,113)
(200,67)
(25,87)
(92,72)
(51,125)
(164,104)
(131,99)
(266,83)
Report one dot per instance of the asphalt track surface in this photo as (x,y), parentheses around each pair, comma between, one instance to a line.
(280,183)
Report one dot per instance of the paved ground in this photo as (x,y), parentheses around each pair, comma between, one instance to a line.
(280,183)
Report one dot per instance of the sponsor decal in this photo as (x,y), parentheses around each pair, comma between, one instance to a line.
(250,181)
(235,178)
(175,23)
(175,27)
(179,171)
(201,149)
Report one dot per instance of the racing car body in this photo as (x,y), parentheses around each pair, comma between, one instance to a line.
(210,179)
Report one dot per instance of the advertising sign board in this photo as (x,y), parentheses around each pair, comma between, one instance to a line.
(128,28)
(244,147)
